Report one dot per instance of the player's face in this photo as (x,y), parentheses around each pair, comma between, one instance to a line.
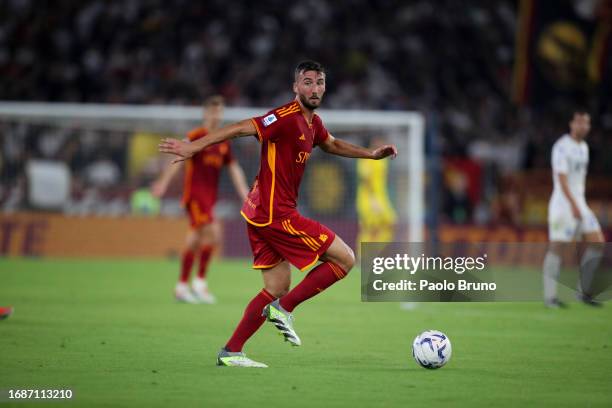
(310,87)
(214,113)
(581,125)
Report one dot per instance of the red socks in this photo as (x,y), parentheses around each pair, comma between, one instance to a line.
(186,264)
(205,252)
(251,321)
(317,280)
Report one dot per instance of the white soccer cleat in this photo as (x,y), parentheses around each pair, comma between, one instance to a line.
(237,359)
(182,293)
(204,297)
(201,292)
(283,321)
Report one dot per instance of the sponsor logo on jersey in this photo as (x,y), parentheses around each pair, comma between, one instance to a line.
(268,120)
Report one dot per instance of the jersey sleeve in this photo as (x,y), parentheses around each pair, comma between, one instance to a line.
(559,159)
(195,134)
(320,132)
(191,135)
(267,126)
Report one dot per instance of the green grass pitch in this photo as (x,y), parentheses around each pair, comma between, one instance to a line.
(111,332)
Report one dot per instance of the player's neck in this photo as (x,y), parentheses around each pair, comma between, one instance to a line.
(307,112)
(210,125)
(575,138)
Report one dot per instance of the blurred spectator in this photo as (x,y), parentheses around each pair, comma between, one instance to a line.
(102,172)
(142,202)
(457,206)
(449,57)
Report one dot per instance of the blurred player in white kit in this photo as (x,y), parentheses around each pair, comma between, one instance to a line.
(569,217)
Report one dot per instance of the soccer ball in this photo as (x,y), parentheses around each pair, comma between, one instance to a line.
(431,349)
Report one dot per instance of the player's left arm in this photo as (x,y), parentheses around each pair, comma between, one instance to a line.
(238,179)
(341,148)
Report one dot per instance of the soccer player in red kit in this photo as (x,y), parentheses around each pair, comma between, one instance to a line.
(202,173)
(5,312)
(279,235)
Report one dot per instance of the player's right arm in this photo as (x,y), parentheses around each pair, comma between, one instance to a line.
(185,150)
(568,194)
(159,186)
(238,179)
(560,166)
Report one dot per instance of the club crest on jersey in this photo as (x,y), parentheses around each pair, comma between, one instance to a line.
(268,120)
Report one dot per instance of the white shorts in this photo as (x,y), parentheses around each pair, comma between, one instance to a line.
(563,227)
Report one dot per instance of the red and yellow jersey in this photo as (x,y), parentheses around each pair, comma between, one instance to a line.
(286,140)
(203,170)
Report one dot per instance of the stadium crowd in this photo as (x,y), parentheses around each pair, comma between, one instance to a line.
(451,60)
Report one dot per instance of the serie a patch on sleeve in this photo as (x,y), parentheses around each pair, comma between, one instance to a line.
(268,120)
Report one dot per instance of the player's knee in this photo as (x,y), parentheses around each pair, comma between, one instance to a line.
(211,241)
(348,260)
(193,245)
(277,290)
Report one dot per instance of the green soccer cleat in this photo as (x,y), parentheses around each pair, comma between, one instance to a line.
(283,320)
(236,359)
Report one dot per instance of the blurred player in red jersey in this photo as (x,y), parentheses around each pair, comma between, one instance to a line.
(5,312)
(202,173)
(279,235)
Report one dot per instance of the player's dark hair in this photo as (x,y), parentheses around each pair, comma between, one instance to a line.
(578,111)
(308,65)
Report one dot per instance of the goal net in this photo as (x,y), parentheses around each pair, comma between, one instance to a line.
(91,160)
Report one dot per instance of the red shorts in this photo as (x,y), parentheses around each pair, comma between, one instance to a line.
(296,239)
(198,214)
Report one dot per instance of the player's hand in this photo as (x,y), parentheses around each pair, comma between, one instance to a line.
(576,212)
(176,147)
(384,151)
(158,189)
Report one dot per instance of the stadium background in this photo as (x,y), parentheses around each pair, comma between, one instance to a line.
(495,96)
(496,81)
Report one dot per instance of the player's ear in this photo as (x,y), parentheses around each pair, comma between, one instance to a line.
(295,87)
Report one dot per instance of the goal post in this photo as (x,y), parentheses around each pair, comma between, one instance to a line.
(405,129)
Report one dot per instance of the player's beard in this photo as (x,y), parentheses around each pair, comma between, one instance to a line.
(307,103)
